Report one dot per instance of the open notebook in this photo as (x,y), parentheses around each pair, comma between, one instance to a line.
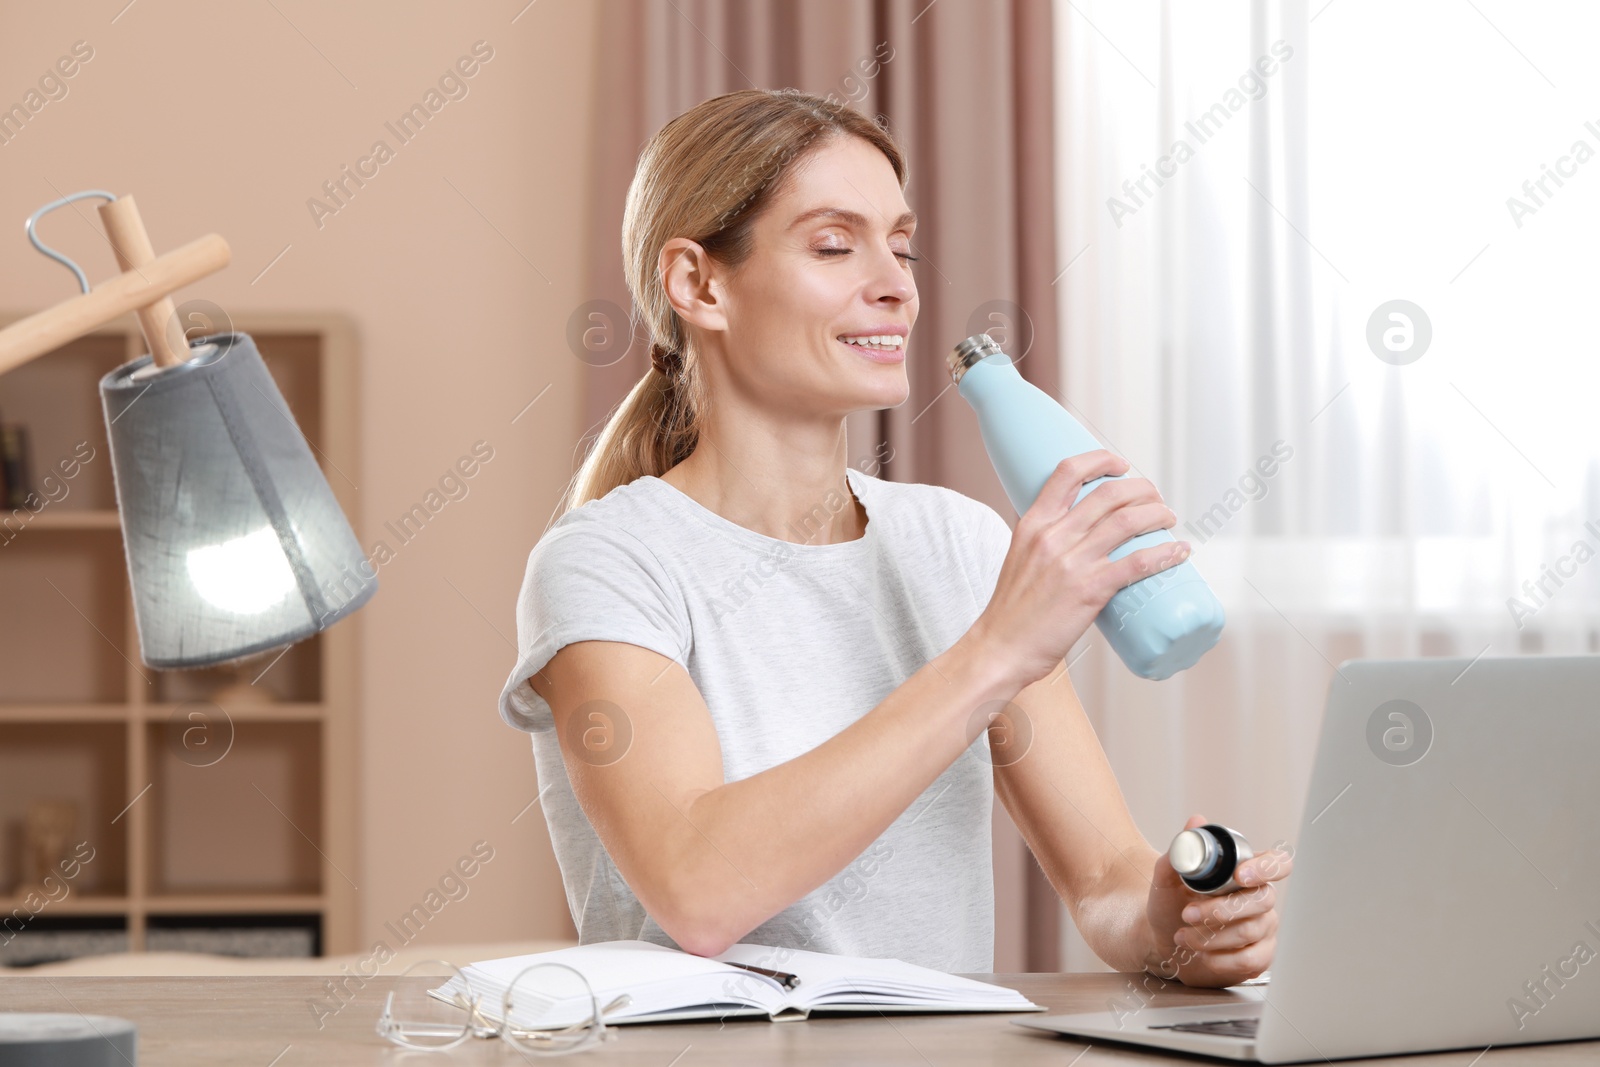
(666,984)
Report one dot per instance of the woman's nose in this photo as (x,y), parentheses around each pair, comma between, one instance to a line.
(898,286)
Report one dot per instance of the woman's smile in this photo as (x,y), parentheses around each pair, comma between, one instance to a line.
(887,346)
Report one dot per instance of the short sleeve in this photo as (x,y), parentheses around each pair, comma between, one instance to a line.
(993,538)
(587,581)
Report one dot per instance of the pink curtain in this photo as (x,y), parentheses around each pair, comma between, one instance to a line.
(966,87)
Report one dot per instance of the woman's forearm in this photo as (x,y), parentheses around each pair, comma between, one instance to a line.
(790,828)
(1114,921)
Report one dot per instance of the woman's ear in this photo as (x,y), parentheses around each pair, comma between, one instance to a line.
(689,277)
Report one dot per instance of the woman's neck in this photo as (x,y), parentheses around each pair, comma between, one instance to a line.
(781,493)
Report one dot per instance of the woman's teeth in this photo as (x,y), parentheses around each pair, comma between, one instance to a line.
(881,343)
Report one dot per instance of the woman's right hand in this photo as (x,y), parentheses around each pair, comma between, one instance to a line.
(1056,576)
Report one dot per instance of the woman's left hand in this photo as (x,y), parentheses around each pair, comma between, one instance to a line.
(1221,939)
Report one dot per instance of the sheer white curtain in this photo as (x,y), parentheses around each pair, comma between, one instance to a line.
(1245,192)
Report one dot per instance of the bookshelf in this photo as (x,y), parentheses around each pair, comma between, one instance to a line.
(207,808)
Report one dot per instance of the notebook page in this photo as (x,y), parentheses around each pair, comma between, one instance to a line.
(657,979)
(828,978)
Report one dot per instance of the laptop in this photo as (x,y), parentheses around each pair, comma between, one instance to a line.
(1446,884)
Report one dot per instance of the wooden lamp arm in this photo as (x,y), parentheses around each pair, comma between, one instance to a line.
(144,286)
(159,321)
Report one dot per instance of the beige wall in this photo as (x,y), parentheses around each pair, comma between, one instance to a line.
(459,263)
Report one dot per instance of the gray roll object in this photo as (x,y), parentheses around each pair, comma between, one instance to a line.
(235,542)
(61,1039)
(1206,857)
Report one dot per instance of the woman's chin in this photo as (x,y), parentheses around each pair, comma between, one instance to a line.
(885,388)
(869,386)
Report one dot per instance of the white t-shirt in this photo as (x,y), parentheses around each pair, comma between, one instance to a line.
(789,644)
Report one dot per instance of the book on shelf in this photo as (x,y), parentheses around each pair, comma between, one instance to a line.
(664,984)
(5,481)
(14,472)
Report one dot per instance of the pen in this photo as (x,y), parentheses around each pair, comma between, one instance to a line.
(788,980)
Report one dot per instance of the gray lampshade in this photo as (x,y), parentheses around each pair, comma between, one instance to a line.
(235,542)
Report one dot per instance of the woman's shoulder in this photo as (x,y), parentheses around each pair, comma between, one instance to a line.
(615,525)
(620,505)
(633,508)
(600,558)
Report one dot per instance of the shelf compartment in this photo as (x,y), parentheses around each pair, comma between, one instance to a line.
(240,813)
(85,763)
(74,583)
(293,678)
(57,397)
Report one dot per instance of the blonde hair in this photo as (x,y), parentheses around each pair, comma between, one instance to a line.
(706,175)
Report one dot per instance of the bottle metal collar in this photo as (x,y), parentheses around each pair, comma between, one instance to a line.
(975,348)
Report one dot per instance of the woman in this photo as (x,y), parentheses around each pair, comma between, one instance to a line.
(758,680)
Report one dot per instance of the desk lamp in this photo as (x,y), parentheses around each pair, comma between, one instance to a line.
(234,540)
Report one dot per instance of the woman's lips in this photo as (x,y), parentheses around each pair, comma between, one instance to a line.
(898,355)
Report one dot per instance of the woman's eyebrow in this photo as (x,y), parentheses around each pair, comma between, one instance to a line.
(852,218)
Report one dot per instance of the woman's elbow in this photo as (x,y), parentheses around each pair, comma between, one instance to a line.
(701,941)
(700,923)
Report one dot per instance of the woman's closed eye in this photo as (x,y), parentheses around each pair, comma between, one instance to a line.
(906,256)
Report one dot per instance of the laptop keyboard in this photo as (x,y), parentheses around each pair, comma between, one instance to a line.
(1217,1027)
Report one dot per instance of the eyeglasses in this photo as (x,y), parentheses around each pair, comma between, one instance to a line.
(548,1009)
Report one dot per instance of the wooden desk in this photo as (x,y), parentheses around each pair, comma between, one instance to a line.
(266,1022)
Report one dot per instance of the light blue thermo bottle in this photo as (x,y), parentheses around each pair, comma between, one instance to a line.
(1159,625)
